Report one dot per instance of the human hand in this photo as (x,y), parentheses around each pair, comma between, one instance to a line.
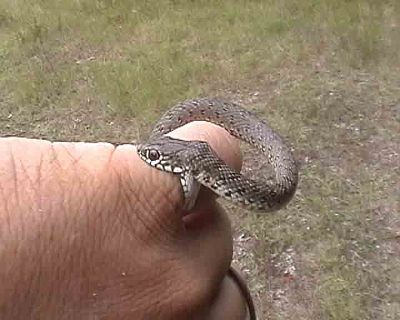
(89,231)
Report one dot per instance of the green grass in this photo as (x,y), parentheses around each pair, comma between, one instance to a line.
(146,54)
(324,73)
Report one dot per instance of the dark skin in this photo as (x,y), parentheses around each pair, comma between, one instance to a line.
(89,231)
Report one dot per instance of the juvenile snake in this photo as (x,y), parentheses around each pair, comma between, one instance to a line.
(196,163)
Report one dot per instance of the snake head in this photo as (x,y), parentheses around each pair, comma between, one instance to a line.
(168,154)
(175,156)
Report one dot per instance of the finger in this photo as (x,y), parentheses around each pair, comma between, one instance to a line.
(158,195)
(229,304)
(225,146)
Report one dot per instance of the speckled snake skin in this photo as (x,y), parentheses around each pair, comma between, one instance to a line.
(195,162)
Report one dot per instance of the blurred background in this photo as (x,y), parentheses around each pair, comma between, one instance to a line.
(323,73)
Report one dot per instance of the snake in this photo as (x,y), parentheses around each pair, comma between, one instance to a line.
(196,163)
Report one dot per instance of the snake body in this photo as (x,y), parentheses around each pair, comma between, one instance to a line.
(195,162)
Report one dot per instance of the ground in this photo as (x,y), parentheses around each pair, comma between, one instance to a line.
(325,74)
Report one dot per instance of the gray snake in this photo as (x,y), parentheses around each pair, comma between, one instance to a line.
(196,163)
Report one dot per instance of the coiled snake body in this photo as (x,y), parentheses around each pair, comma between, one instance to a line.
(195,162)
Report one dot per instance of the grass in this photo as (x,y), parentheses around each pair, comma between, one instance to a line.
(323,73)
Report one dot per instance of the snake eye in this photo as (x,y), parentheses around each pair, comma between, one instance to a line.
(153,155)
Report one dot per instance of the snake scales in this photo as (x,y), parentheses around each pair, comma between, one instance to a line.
(195,162)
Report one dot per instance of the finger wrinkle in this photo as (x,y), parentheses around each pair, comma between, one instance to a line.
(6,213)
(130,204)
(38,180)
(141,229)
(10,191)
(156,212)
(14,173)
(162,204)
(148,194)
(144,211)
(116,216)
